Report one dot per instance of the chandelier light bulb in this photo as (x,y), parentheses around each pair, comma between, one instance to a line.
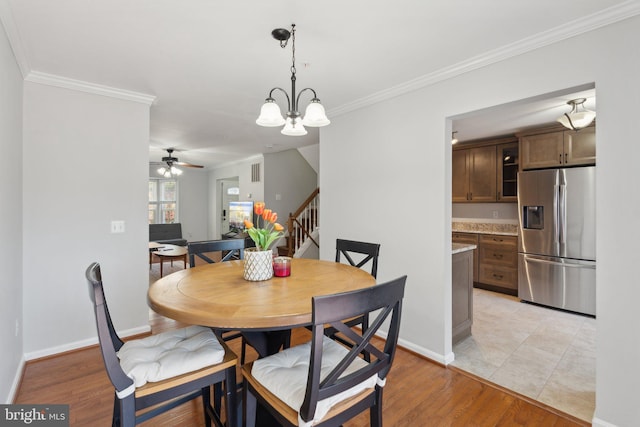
(293,127)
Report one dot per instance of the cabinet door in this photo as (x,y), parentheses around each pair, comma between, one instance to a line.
(508,163)
(542,151)
(460,176)
(580,147)
(482,174)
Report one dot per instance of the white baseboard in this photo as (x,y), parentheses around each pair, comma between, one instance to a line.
(597,422)
(16,382)
(81,344)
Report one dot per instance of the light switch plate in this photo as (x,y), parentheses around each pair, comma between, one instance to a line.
(117,226)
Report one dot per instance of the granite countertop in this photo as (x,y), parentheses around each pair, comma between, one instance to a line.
(485,227)
(461,247)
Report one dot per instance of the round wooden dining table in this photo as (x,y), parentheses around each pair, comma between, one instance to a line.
(217,295)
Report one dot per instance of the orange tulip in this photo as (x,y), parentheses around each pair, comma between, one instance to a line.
(258,208)
(273,217)
(278,227)
(248,224)
(265,214)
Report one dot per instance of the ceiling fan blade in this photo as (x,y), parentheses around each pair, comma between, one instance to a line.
(187,165)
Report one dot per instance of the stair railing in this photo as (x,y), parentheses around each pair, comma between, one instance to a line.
(303,222)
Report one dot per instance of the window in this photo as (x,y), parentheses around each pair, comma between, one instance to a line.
(163,201)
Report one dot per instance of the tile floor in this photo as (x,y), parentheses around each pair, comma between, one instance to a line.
(545,354)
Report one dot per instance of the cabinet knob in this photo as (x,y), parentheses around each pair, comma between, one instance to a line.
(497,276)
(560,159)
(498,256)
(565,157)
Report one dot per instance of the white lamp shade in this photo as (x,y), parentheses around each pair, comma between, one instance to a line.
(175,171)
(162,170)
(293,129)
(579,120)
(314,115)
(270,115)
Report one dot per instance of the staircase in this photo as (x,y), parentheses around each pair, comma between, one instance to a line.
(302,227)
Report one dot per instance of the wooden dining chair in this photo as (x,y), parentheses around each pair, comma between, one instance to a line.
(358,254)
(163,370)
(322,382)
(229,248)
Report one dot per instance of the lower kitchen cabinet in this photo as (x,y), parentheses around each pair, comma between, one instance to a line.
(461,295)
(495,261)
(498,263)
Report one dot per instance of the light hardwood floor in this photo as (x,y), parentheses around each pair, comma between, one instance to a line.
(418,393)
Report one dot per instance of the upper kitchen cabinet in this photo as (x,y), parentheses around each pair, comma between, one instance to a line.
(474,174)
(485,171)
(508,163)
(558,148)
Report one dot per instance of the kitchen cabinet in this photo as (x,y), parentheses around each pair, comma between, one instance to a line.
(461,295)
(472,239)
(474,174)
(498,263)
(507,179)
(558,149)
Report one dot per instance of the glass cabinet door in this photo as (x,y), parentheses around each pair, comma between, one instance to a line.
(508,163)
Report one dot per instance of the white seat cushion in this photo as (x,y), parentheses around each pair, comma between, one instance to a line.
(172,353)
(285,375)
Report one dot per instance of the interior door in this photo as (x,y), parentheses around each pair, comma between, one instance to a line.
(229,191)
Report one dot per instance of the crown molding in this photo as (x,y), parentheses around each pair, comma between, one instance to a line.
(583,25)
(6,17)
(63,82)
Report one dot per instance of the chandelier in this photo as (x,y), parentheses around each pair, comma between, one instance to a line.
(270,115)
(578,117)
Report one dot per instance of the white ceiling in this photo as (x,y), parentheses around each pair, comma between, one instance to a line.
(210,64)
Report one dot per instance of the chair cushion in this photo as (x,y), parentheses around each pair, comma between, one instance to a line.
(171,353)
(285,375)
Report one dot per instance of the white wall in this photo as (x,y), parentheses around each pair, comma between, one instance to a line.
(289,175)
(11,350)
(85,164)
(193,189)
(399,192)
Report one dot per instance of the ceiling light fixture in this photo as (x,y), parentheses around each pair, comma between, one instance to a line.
(270,115)
(578,117)
(169,171)
(454,140)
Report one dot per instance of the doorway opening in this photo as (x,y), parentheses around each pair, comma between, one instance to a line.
(543,353)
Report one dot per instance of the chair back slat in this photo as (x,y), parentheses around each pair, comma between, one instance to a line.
(348,247)
(383,303)
(231,248)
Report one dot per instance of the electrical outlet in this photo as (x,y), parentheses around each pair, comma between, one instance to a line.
(495,214)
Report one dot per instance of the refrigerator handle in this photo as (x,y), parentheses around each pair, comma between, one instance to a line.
(556,210)
(563,264)
(562,214)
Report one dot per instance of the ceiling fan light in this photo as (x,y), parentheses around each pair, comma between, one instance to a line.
(315,115)
(175,171)
(162,170)
(270,115)
(578,117)
(293,127)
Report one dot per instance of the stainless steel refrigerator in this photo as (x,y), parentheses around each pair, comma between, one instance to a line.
(557,238)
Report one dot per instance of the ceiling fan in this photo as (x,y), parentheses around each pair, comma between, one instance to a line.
(171,162)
